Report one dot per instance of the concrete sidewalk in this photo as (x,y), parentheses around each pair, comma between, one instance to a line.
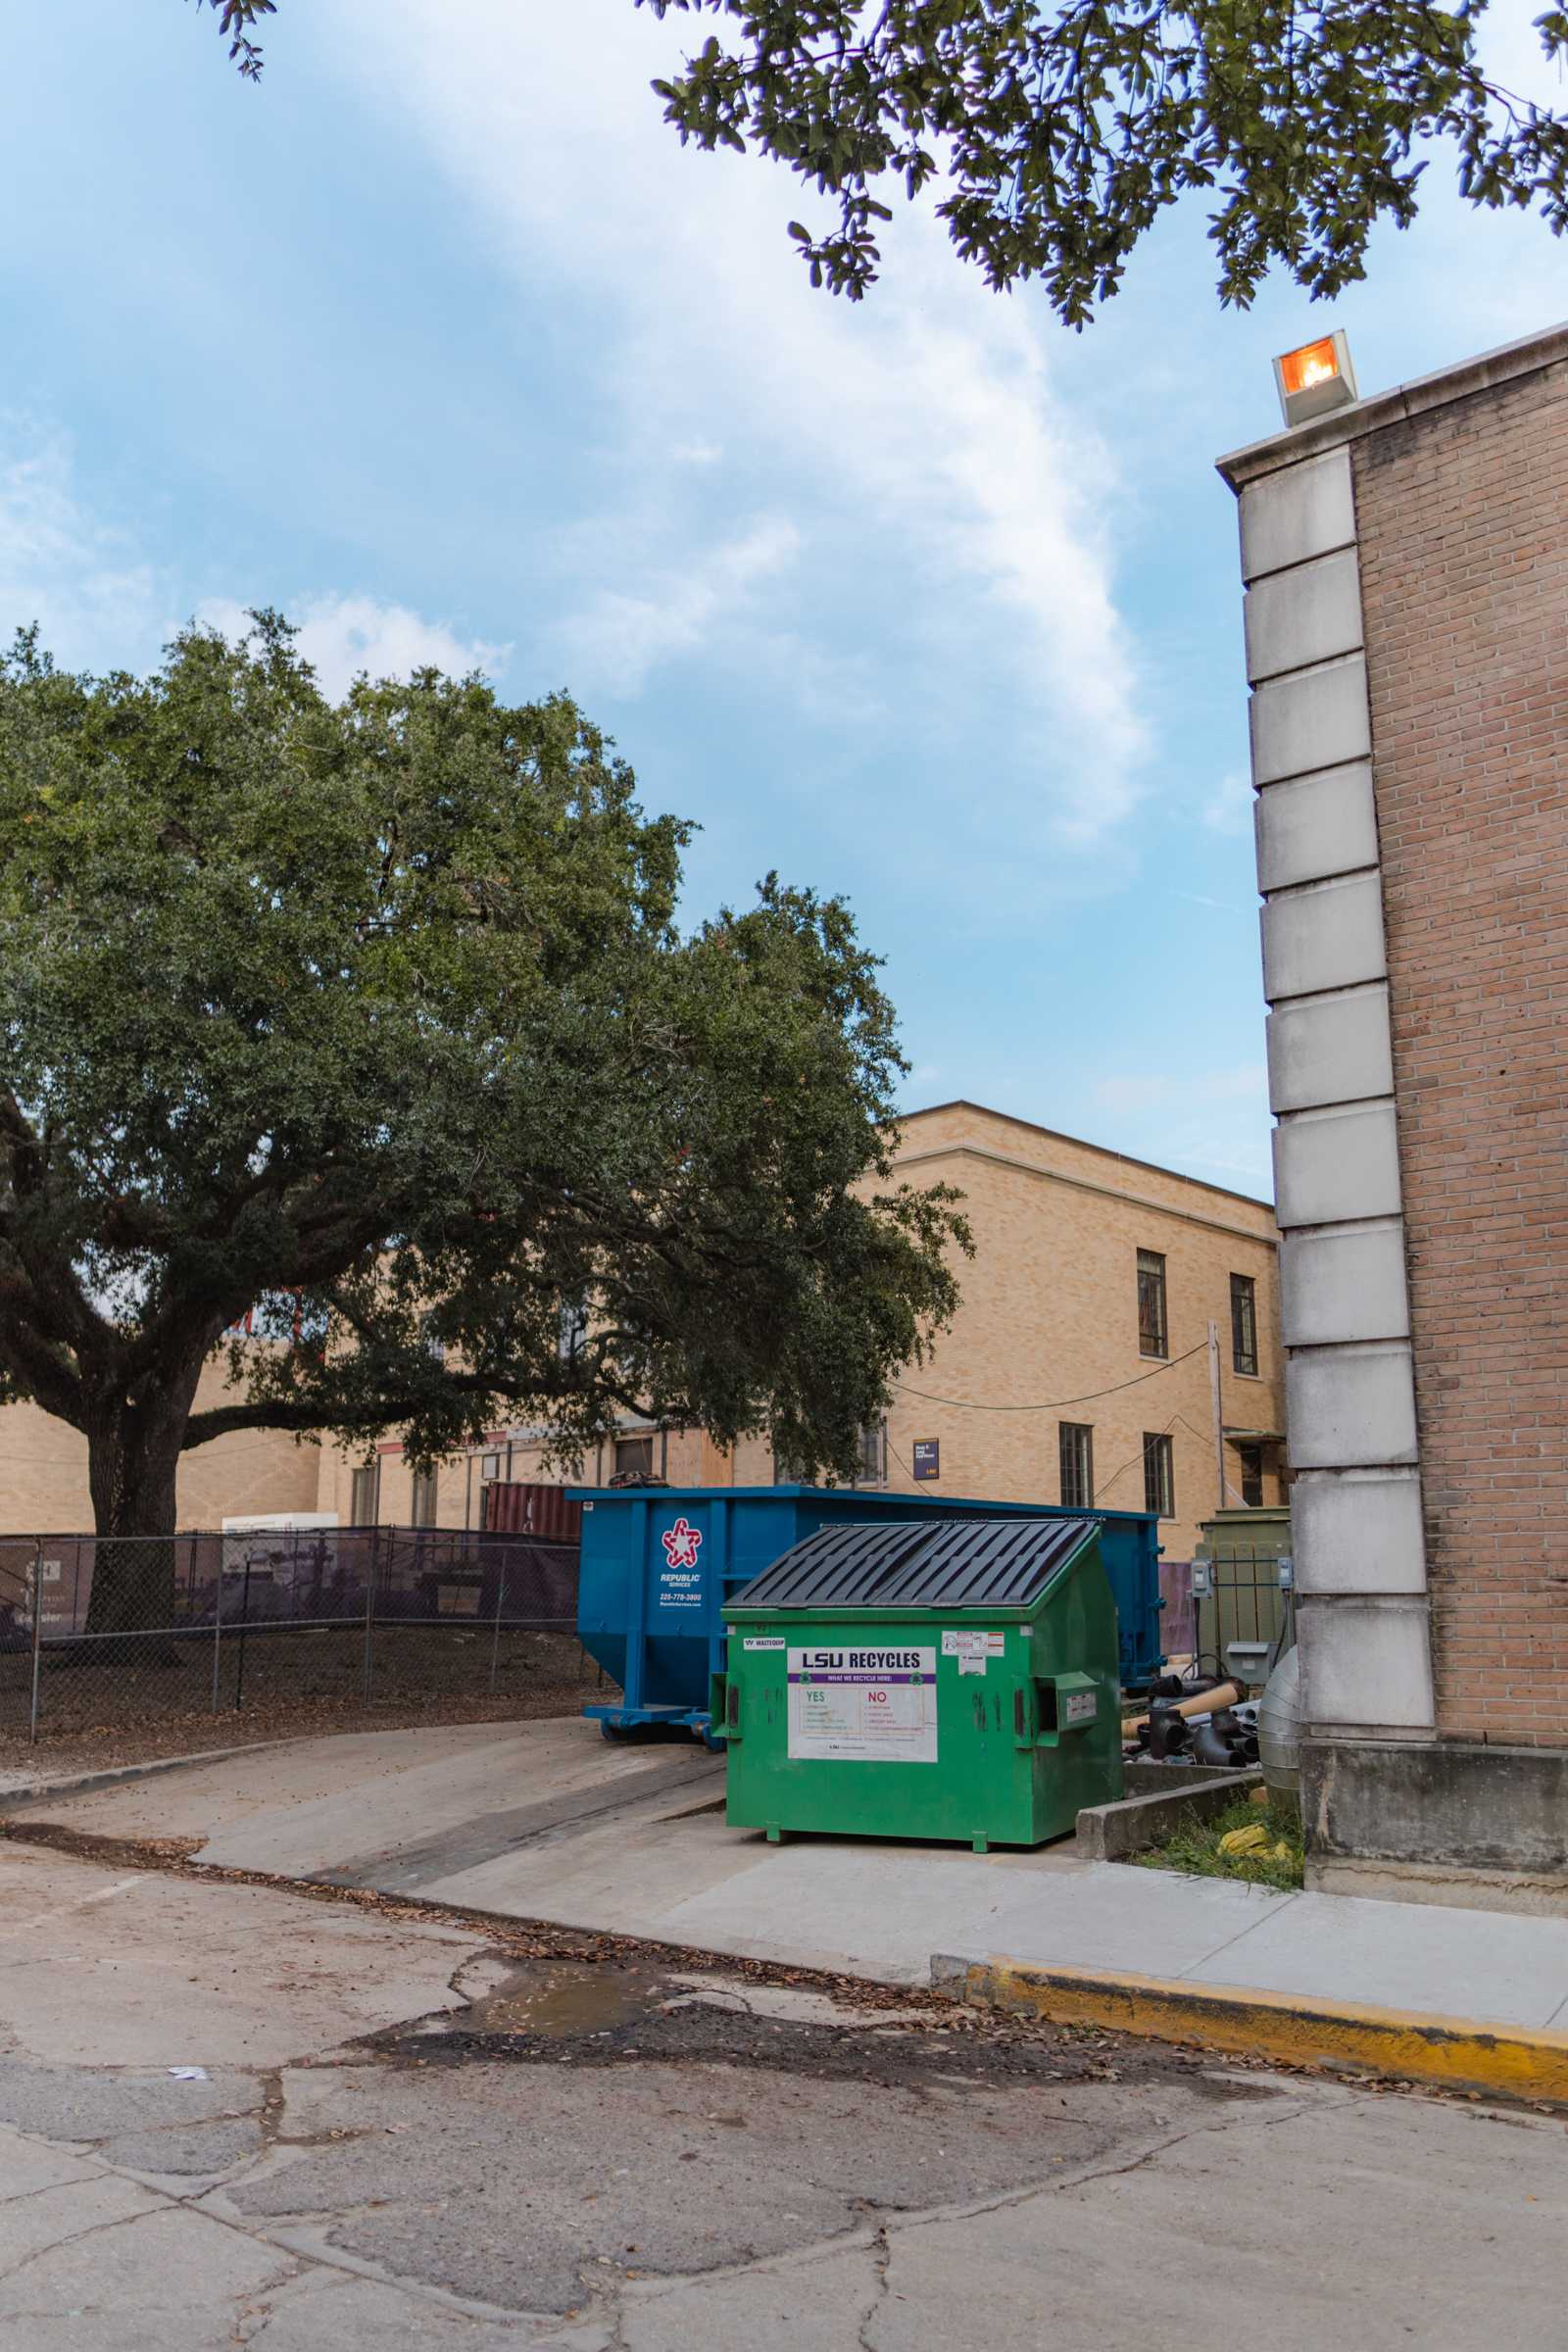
(545,1821)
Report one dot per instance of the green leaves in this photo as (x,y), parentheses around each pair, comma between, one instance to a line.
(1063,131)
(234,20)
(379,1010)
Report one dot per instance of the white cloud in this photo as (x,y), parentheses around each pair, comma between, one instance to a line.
(342,635)
(919,436)
(618,639)
(81,580)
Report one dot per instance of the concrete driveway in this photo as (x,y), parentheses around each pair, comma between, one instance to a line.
(299,2120)
(235,2116)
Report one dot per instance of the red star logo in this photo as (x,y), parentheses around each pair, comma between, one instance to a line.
(682,1542)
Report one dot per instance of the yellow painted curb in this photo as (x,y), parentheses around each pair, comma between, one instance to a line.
(1508,2061)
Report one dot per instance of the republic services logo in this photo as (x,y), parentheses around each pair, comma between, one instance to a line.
(682,1542)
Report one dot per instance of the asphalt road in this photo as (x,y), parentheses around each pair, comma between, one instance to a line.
(404,2135)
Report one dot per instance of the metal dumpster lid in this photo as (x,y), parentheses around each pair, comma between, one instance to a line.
(919,1564)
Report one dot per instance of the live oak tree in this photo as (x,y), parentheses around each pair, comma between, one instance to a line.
(376,1016)
(1057,133)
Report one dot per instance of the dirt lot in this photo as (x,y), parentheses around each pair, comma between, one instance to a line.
(127,1713)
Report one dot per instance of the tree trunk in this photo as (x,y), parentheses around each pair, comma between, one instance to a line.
(131,1463)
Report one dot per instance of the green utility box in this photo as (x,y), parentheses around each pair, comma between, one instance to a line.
(953,1679)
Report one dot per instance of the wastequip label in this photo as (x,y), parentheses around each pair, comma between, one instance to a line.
(865,1706)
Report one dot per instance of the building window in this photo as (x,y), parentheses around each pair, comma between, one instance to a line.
(634,1457)
(1243,1323)
(874,1468)
(1153,1338)
(573,1330)
(1250,1458)
(1077,1444)
(365,1495)
(1159,1475)
(423,1508)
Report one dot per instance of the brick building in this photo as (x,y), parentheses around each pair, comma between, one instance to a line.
(1405,561)
(1096,1278)
(43,1471)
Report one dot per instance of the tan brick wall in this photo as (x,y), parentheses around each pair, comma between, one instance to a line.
(43,1472)
(1050,1310)
(1463,521)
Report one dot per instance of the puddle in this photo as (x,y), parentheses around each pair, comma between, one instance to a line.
(563,1999)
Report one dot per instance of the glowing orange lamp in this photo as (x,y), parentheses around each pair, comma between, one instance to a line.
(1315,378)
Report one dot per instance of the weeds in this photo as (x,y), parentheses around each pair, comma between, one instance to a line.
(1194,1847)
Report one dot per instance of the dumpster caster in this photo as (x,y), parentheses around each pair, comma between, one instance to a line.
(616,1731)
(713,1742)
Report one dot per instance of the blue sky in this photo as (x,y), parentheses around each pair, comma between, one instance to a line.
(439,340)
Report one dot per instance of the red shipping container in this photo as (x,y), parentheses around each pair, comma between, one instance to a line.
(529,1507)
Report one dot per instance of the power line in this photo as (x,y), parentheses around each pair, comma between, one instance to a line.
(967,1405)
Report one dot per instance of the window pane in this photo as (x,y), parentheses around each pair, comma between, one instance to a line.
(1250,1458)
(1243,1323)
(634,1455)
(874,1465)
(1152,1339)
(1160,1477)
(424,1494)
(1077,1454)
(365,1495)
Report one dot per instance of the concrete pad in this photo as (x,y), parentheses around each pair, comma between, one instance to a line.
(1116,1915)
(156,1972)
(867,1910)
(330,2310)
(1431,2233)
(30,2226)
(820,2302)
(26,2167)
(307,1804)
(162,2260)
(1421,1956)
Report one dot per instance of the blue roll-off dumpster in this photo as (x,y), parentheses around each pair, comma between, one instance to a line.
(660,1563)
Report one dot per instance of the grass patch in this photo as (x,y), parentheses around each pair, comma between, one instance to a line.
(1194,1846)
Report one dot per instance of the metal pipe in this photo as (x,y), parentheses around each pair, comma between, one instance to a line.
(218,1632)
(369,1615)
(37,1641)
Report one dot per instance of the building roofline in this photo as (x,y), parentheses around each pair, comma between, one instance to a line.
(1080,1142)
(1546,348)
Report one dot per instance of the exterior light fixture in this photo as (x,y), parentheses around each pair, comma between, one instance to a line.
(1315,378)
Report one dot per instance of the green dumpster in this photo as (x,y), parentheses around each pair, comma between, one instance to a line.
(949,1679)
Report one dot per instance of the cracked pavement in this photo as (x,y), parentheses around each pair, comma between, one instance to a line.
(408,2135)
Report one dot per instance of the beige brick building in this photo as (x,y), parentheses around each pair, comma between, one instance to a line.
(1407,569)
(1069,1238)
(43,1471)
(1096,1278)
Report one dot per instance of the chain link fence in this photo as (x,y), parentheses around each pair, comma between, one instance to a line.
(98,1630)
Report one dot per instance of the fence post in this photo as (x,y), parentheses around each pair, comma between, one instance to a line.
(37,1641)
(495,1638)
(218,1625)
(369,1615)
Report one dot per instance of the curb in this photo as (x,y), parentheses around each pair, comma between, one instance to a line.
(81,1784)
(1456,2053)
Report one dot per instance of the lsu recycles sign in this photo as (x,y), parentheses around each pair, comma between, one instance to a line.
(867,1707)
